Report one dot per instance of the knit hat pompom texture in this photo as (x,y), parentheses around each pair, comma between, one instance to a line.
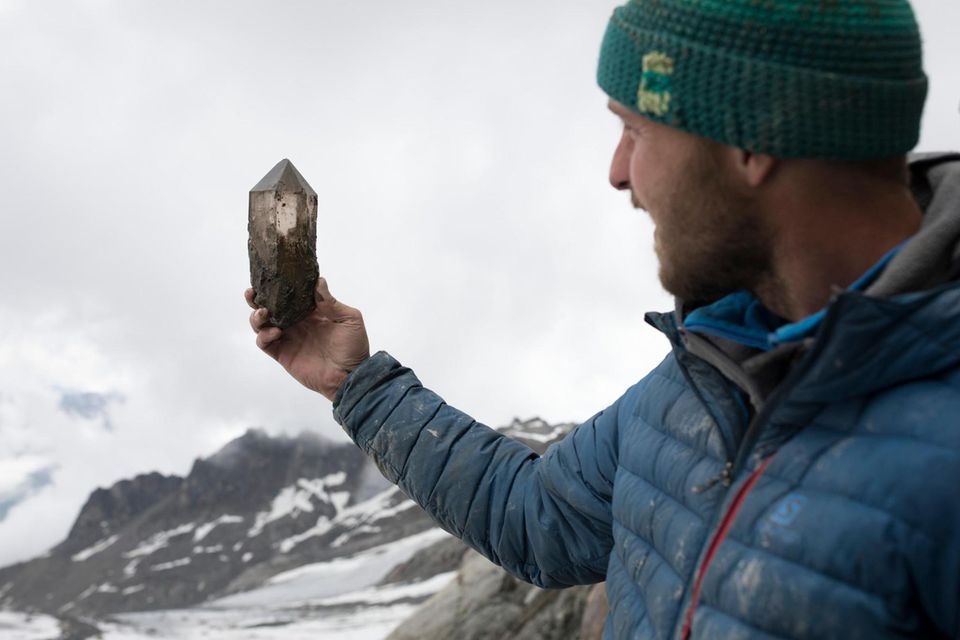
(827,79)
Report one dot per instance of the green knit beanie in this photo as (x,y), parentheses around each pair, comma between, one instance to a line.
(828,79)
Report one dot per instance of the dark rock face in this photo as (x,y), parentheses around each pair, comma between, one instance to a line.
(441,557)
(282,244)
(485,603)
(110,509)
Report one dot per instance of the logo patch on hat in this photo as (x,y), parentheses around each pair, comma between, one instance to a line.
(655,84)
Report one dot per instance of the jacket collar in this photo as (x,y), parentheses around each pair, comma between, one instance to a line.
(867,344)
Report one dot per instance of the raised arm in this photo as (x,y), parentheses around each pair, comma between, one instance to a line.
(546,519)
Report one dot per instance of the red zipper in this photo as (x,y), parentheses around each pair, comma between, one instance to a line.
(718,539)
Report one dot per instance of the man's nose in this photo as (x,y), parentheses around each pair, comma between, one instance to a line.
(620,166)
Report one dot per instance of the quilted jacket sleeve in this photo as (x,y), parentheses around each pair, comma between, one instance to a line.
(545,519)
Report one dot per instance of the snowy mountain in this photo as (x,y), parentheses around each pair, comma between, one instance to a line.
(256,508)
(268,533)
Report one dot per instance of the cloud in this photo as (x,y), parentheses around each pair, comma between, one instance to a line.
(20,479)
(89,405)
(55,447)
(459,152)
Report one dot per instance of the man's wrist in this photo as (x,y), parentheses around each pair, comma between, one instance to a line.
(332,382)
(374,371)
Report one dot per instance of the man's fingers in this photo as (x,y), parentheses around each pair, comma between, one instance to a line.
(266,337)
(258,318)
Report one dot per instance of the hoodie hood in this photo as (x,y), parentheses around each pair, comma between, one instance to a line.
(929,258)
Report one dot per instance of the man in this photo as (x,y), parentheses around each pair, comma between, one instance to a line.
(791,469)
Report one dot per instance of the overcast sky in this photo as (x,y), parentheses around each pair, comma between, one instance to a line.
(460,154)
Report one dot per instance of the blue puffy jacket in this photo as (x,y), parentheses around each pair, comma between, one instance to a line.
(830,511)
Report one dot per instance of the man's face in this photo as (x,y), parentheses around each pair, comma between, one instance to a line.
(710,239)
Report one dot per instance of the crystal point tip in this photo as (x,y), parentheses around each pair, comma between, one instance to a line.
(284,177)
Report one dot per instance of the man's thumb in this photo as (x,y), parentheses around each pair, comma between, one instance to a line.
(322,295)
(330,306)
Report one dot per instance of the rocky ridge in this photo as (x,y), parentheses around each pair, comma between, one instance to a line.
(263,509)
(259,506)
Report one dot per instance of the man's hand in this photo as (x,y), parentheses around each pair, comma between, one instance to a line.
(320,350)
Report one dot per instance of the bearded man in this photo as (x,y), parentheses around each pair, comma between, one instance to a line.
(791,469)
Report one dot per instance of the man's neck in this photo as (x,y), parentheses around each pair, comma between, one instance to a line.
(827,240)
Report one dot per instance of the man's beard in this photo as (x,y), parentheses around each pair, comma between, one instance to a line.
(710,239)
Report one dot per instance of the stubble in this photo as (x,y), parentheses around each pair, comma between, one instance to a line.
(711,240)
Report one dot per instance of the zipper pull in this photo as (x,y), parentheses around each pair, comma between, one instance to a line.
(725,476)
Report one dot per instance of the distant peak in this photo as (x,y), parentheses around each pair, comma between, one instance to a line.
(258,435)
(284,177)
(257,441)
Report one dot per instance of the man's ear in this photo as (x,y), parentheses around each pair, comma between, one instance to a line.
(755,169)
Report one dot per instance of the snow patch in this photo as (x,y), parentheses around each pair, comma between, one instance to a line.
(536,429)
(391,593)
(217,548)
(298,498)
(337,576)
(343,538)
(159,540)
(27,626)
(204,529)
(283,609)
(258,623)
(323,525)
(131,590)
(131,569)
(89,591)
(354,517)
(539,437)
(335,479)
(94,549)
(173,564)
